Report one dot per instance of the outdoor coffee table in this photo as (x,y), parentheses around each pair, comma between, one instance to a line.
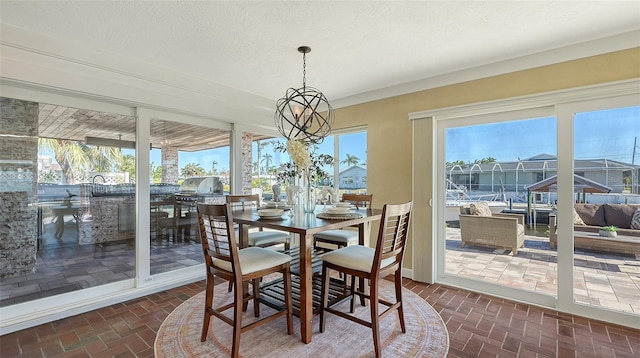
(620,244)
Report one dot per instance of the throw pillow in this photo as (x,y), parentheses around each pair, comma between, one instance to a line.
(635,222)
(577,220)
(591,214)
(480,208)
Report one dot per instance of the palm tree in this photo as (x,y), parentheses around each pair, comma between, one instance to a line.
(260,145)
(213,167)
(267,159)
(73,156)
(350,160)
(192,170)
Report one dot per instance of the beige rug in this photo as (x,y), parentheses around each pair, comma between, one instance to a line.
(179,335)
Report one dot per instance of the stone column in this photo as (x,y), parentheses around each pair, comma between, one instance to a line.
(18,183)
(170,165)
(247,162)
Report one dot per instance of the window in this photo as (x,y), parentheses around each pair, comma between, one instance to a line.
(76,189)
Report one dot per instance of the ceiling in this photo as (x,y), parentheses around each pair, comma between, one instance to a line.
(358,47)
(246,51)
(61,122)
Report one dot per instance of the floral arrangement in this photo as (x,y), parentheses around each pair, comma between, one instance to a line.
(299,153)
(305,162)
(609,228)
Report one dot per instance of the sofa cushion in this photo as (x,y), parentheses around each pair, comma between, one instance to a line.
(577,220)
(619,215)
(480,208)
(591,214)
(635,220)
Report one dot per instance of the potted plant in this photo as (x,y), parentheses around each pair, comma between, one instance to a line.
(608,231)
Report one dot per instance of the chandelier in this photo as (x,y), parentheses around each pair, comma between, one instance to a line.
(304,114)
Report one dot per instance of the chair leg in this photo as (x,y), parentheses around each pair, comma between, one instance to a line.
(398,284)
(375,319)
(324,296)
(256,296)
(352,288)
(287,299)
(208,304)
(237,320)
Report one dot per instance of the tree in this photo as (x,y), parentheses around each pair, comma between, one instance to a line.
(73,156)
(266,159)
(155,172)
(487,160)
(128,164)
(260,145)
(192,170)
(350,160)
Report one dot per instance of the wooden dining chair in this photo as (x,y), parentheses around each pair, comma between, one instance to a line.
(371,264)
(258,238)
(341,238)
(224,260)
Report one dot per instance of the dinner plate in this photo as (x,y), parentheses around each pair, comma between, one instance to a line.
(282,206)
(339,210)
(270,213)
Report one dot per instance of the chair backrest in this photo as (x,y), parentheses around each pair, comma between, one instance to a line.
(218,237)
(247,201)
(359,200)
(392,235)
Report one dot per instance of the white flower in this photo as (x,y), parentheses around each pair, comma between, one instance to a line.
(299,153)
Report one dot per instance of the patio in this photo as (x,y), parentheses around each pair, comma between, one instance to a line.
(600,278)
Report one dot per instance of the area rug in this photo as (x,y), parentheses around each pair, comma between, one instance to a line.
(426,336)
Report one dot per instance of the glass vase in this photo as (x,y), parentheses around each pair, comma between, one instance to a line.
(309,195)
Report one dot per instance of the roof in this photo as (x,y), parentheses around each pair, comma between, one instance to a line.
(580,184)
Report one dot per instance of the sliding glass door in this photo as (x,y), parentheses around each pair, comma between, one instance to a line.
(606,157)
(496,227)
(567,165)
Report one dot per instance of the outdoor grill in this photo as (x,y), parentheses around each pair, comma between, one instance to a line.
(199,189)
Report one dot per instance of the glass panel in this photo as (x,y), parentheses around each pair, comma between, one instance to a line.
(353,163)
(189,164)
(497,229)
(606,194)
(67,198)
(265,163)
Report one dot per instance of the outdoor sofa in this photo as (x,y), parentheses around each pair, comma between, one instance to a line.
(590,218)
(491,229)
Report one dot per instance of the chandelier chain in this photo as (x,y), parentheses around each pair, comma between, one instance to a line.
(304,70)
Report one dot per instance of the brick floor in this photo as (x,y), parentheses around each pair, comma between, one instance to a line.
(479,326)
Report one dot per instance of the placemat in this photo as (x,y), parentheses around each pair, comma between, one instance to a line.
(348,216)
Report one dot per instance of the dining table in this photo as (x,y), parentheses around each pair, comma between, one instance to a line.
(303,226)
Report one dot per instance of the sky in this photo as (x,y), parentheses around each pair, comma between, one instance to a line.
(606,134)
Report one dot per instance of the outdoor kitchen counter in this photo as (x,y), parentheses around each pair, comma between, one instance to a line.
(108,218)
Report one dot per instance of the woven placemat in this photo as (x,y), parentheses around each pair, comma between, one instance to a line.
(348,216)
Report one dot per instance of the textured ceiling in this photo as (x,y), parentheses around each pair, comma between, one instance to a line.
(357,46)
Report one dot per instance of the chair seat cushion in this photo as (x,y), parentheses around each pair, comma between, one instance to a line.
(341,237)
(266,238)
(355,257)
(254,259)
